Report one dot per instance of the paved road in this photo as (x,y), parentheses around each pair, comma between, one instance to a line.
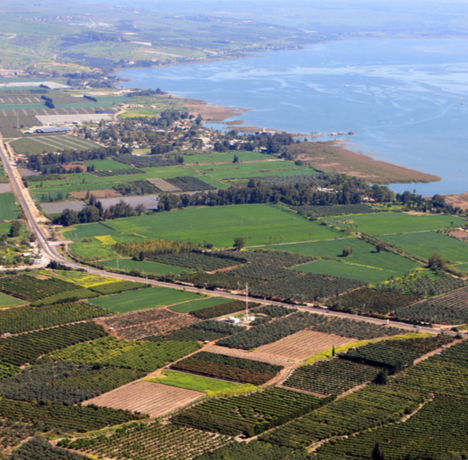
(51,253)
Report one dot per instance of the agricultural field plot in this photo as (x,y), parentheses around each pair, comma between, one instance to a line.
(47,144)
(451,308)
(211,387)
(259,224)
(250,414)
(68,419)
(107,165)
(143,299)
(145,266)
(271,332)
(90,281)
(444,374)
(292,349)
(8,207)
(220,309)
(333,211)
(228,368)
(194,305)
(204,331)
(236,171)
(148,398)
(302,345)
(358,411)
(364,257)
(224,157)
(134,326)
(26,348)
(7,301)
(15,320)
(438,427)
(386,223)
(143,356)
(150,441)
(425,244)
(346,271)
(331,377)
(372,300)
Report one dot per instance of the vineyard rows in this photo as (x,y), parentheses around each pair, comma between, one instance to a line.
(26,348)
(228,368)
(142,356)
(249,414)
(30,288)
(451,308)
(145,442)
(439,427)
(358,411)
(221,310)
(67,418)
(381,355)
(21,319)
(372,300)
(331,377)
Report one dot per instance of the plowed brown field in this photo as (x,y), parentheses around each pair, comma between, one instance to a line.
(293,349)
(148,398)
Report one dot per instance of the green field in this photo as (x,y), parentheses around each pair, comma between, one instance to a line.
(45,144)
(7,301)
(88,231)
(86,181)
(214,157)
(259,224)
(146,267)
(8,207)
(386,223)
(107,165)
(194,382)
(344,270)
(427,243)
(93,250)
(143,299)
(257,169)
(193,305)
(364,263)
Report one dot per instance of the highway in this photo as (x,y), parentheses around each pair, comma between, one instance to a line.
(50,252)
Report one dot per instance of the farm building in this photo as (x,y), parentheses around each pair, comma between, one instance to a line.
(53,129)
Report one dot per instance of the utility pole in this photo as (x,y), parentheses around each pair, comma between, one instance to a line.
(246,301)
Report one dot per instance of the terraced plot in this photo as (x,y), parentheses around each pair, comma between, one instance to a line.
(149,398)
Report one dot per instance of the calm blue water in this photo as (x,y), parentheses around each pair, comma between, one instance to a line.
(404,99)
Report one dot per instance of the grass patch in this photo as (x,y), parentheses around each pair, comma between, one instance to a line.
(107,165)
(259,224)
(7,301)
(427,243)
(143,299)
(194,305)
(206,385)
(146,267)
(386,223)
(8,206)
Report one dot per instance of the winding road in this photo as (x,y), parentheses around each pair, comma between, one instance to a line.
(34,218)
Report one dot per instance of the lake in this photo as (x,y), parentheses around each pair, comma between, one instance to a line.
(403,99)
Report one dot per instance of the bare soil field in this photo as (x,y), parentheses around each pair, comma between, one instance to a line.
(330,156)
(149,398)
(145,323)
(289,351)
(162,185)
(107,193)
(460,234)
(460,201)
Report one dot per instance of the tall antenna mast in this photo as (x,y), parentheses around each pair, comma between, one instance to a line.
(246,301)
